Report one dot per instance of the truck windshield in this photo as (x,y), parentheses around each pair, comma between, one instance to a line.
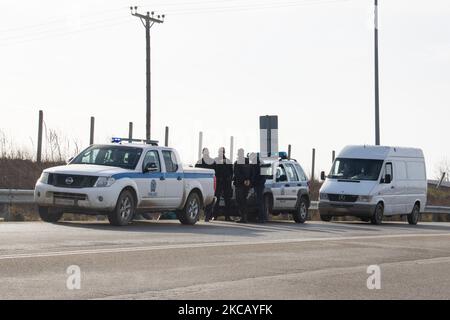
(114,156)
(356,169)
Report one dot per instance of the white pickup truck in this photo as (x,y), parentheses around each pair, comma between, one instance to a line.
(122,179)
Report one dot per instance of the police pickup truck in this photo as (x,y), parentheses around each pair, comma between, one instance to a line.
(122,179)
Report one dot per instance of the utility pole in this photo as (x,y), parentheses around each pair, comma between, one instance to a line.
(148,21)
(130,132)
(377,97)
(39,144)
(91,131)
(166,137)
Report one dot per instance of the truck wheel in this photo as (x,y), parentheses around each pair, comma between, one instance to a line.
(301,213)
(325,218)
(191,212)
(414,216)
(377,217)
(268,204)
(124,211)
(50,214)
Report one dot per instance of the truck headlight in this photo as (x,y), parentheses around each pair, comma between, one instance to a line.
(323,196)
(365,198)
(44,178)
(104,182)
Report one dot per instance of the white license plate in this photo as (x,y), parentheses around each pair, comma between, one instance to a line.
(64,202)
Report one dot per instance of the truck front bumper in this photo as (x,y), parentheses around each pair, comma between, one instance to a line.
(83,200)
(330,208)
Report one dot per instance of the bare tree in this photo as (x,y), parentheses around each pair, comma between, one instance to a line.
(443,167)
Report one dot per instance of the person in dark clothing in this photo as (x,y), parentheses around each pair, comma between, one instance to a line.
(242,182)
(224,176)
(258,182)
(206,162)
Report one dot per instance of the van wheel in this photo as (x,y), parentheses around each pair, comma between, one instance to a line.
(377,217)
(50,214)
(301,213)
(124,210)
(325,218)
(191,212)
(414,216)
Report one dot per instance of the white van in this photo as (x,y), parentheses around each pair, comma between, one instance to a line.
(370,182)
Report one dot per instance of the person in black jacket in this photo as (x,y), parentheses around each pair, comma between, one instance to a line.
(224,176)
(242,183)
(258,182)
(206,162)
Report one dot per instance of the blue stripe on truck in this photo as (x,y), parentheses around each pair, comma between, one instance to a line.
(167,175)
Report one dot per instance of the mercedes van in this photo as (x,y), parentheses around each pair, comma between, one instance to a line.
(371,182)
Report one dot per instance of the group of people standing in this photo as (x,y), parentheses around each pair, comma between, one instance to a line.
(244,174)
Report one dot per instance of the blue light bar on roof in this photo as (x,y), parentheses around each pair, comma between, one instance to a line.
(116,140)
(283,154)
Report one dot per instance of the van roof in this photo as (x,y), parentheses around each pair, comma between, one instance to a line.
(379,152)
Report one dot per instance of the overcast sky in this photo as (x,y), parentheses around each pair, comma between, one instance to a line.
(217,65)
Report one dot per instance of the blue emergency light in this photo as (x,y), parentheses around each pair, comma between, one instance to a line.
(283,154)
(116,140)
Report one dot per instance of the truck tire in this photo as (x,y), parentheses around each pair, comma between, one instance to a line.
(325,218)
(268,205)
(301,213)
(191,212)
(414,216)
(124,211)
(377,217)
(50,214)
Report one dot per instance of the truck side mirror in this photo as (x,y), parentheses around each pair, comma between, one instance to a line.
(282,178)
(387,178)
(322,176)
(150,167)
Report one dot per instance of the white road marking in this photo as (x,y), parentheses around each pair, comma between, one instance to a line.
(204,245)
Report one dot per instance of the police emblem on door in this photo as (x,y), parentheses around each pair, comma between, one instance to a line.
(153,192)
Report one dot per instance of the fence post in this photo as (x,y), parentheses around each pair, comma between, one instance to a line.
(200,143)
(91,135)
(130,131)
(39,142)
(333,156)
(289,151)
(313,166)
(231,148)
(166,137)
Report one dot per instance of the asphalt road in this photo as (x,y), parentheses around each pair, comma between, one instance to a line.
(224,260)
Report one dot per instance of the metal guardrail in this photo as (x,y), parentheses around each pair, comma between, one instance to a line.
(16,196)
(437,210)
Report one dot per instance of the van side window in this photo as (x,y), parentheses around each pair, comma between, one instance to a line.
(170,160)
(388,170)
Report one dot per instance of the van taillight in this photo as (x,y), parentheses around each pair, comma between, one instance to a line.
(215,184)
